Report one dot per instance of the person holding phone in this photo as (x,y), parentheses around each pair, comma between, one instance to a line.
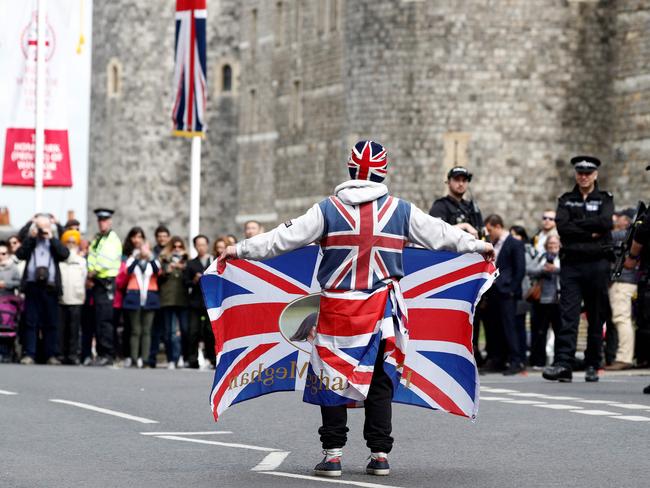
(42,286)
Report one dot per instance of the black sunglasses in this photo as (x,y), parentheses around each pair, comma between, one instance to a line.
(548,218)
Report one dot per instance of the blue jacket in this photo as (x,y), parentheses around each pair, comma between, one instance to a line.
(512,267)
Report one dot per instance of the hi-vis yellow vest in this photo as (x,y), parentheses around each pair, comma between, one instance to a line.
(105,255)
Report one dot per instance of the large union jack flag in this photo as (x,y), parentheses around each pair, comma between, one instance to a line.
(190,78)
(253,306)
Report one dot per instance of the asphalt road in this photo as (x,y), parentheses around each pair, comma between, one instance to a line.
(529,433)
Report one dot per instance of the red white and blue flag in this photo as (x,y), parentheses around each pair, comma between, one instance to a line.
(190,74)
(254,308)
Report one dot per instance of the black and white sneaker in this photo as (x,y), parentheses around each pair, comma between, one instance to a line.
(378,464)
(330,466)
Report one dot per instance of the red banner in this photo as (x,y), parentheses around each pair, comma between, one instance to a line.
(18,168)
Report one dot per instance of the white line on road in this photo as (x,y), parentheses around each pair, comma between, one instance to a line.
(633,418)
(271,461)
(497,390)
(106,411)
(216,443)
(597,402)
(630,406)
(327,480)
(595,412)
(5,392)
(524,402)
(207,432)
(557,406)
(491,398)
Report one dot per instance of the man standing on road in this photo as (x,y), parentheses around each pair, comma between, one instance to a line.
(453,208)
(639,255)
(104,258)
(362,231)
(584,222)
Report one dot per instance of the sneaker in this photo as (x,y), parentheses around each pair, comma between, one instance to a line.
(128,362)
(646,390)
(88,361)
(171,365)
(330,466)
(104,361)
(378,464)
(139,363)
(591,374)
(181,363)
(27,360)
(52,361)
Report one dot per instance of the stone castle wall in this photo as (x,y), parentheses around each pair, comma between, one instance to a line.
(512,89)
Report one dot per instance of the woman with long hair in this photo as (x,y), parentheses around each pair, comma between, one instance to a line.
(141,298)
(173,300)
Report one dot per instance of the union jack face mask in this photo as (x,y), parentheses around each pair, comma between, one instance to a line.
(368,161)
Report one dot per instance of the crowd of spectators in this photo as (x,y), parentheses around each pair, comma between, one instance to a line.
(68,300)
(104,301)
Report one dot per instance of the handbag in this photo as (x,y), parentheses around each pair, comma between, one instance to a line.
(534,292)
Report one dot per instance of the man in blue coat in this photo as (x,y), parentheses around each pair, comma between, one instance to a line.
(505,351)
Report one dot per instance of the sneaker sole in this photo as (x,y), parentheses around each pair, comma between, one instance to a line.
(378,472)
(565,380)
(328,474)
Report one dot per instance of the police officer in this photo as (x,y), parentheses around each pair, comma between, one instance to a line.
(455,210)
(104,258)
(584,222)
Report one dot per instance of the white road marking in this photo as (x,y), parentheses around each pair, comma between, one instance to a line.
(595,412)
(633,418)
(216,443)
(557,406)
(597,402)
(491,398)
(327,480)
(207,432)
(106,411)
(524,402)
(271,461)
(497,390)
(5,392)
(630,406)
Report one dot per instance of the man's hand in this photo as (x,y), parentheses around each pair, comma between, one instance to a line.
(197,277)
(229,253)
(2,285)
(488,253)
(630,263)
(468,228)
(549,268)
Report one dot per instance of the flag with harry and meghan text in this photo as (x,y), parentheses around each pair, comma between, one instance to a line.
(263,316)
(190,73)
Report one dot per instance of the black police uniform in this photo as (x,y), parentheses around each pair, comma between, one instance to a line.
(584,272)
(642,342)
(454,212)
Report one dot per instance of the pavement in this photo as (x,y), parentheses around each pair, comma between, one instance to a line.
(110,427)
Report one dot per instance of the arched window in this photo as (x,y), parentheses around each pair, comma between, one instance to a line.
(226,78)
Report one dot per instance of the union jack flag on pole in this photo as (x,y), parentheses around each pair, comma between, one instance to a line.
(190,75)
(262,313)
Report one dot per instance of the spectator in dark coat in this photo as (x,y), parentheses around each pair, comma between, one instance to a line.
(42,285)
(502,335)
(200,327)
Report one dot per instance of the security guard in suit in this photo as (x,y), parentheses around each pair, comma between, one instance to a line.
(584,222)
(104,258)
(453,208)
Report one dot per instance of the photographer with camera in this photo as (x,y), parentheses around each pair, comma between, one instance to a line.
(42,286)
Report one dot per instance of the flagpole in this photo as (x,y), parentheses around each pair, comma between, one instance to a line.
(39,129)
(195,192)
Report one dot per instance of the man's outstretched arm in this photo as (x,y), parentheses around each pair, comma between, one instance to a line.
(435,234)
(285,237)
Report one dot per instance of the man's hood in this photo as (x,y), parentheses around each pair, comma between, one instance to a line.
(355,192)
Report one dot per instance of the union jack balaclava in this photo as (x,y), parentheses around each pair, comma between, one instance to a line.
(368,161)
